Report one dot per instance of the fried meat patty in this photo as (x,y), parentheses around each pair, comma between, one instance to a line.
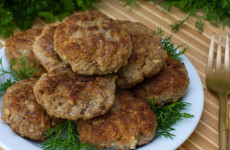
(92,43)
(168,86)
(71,96)
(148,56)
(21,44)
(130,122)
(44,49)
(22,112)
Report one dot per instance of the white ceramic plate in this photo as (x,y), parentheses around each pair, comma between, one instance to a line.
(183,129)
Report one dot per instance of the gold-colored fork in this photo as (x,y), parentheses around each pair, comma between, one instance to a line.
(218,80)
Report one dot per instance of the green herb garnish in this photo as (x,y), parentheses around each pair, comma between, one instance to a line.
(21,14)
(169,47)
(64,137)
(130,3)
(217,12)
(167,115)
(19,69)
(4,86)
(177,26)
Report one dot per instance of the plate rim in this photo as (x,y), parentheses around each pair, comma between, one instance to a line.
(189,66)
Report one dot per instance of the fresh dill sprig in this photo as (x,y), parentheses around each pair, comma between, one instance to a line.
(130,3)
(199,24)
(215,12)
(178,25)
(167,115)
(19,69)
(160,32)
(64,137)
(4,86)
(169,46)
(171,49)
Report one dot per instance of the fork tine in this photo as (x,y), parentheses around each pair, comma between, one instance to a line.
(218,56)
(210,55)
(226,58)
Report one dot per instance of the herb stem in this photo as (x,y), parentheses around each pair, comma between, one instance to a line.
(167,115)
(169,46)
(23,71)
(215,12)
(178,25)
(64,137)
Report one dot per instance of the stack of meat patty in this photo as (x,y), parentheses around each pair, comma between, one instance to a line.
(97,72)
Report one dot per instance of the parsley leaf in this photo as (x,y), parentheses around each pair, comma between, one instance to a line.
(6,25)
(21,14)
(48,16)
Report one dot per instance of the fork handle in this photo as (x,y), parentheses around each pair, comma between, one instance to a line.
(223,123)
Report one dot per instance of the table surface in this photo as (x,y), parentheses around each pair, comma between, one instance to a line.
(205,136)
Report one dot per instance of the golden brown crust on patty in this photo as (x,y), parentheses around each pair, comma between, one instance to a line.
(147,57)
(71,96)
(44,49)
(168,86)
(21,44)
(92,43)
(130,122)
(21,110)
